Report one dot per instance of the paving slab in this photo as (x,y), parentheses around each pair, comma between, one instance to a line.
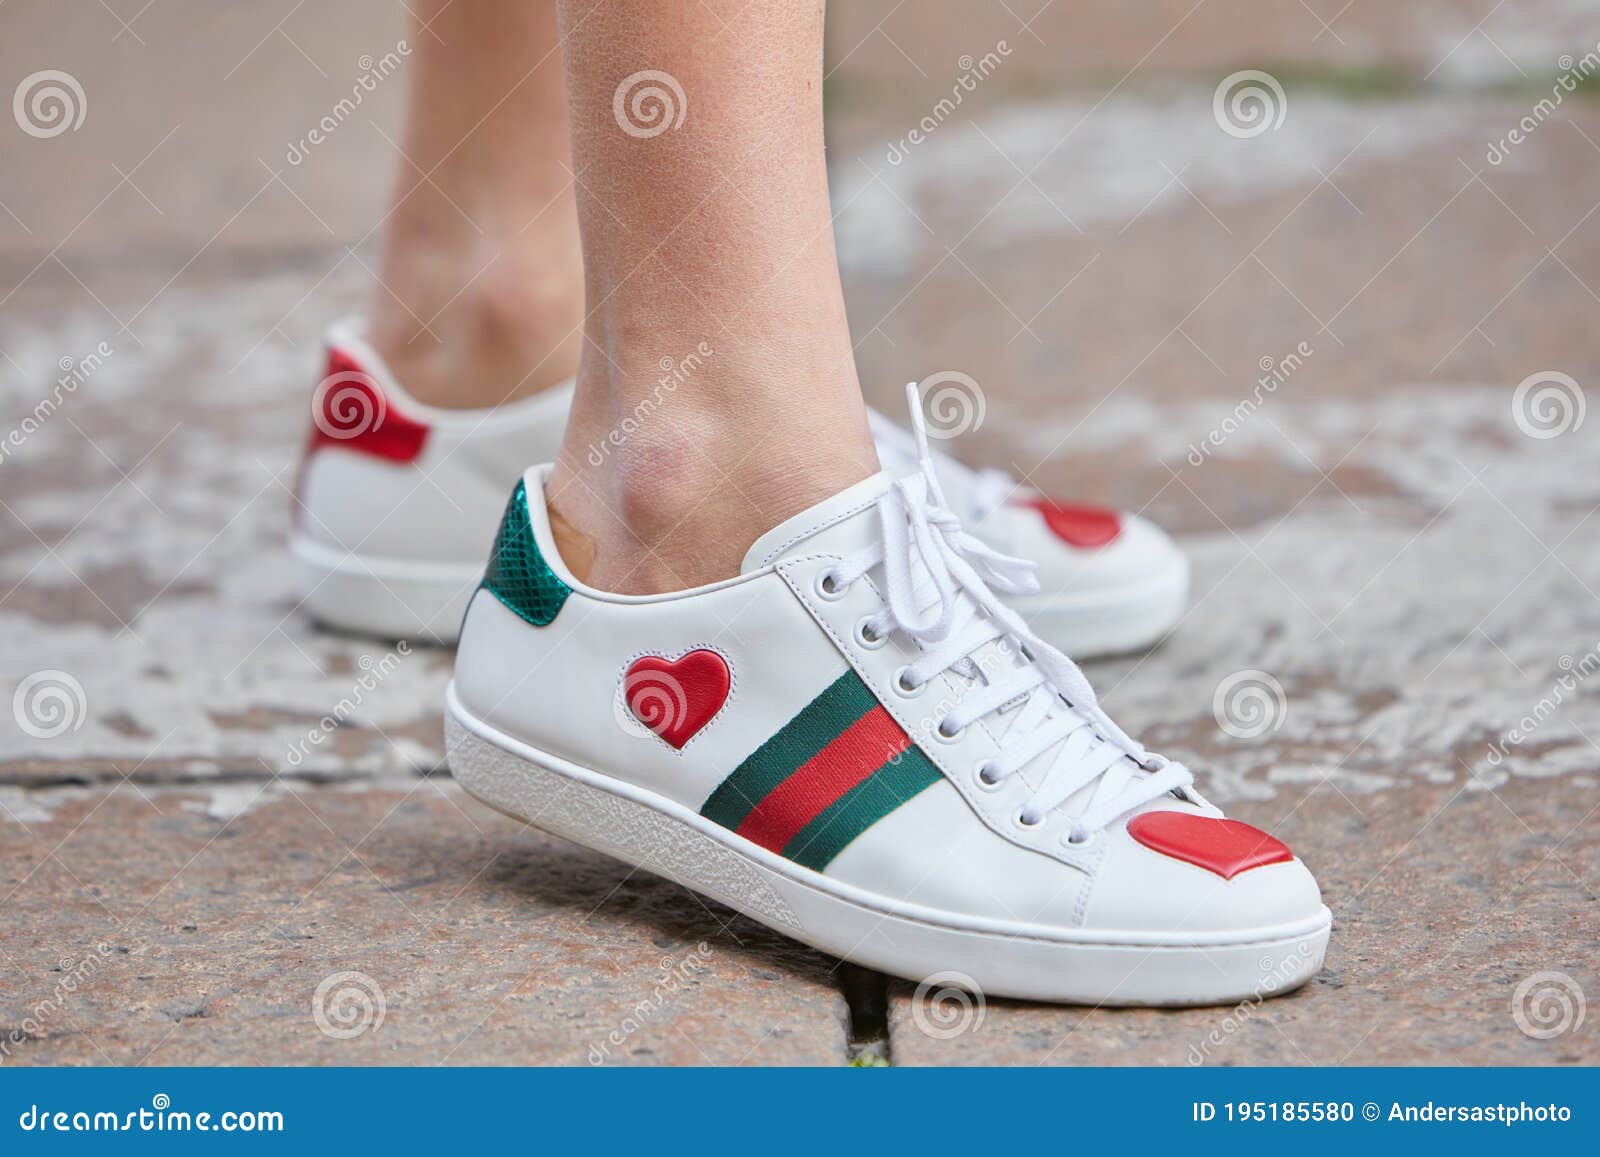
(172,142)
(1136,251)
(375,926)
(179,154)
(915,50)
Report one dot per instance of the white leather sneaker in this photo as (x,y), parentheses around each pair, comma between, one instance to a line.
(398,502)
(857,743)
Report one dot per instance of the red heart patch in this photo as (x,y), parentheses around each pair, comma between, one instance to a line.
(675,698)
(1085,527)
(1226,847)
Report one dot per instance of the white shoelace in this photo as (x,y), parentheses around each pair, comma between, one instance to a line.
(988,488)
(940,592)
(984,490)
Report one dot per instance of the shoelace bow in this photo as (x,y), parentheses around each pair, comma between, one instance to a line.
(940,590)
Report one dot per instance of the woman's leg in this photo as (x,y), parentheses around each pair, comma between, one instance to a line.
(717,393)
(479,296)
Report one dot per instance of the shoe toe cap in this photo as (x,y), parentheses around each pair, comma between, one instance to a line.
(1137,552)
(1199,876)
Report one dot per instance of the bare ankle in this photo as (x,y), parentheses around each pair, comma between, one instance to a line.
(671,494)
(461,335)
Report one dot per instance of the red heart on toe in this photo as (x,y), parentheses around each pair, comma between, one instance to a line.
(1085,527)
(675,698)
(1226,847)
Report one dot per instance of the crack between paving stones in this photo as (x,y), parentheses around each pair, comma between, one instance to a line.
(866,998)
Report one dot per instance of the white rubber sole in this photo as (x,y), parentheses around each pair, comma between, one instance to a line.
(1112,622)
(390,598)
(998,958)
(425,601)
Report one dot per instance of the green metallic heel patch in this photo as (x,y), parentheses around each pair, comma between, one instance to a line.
(517,574)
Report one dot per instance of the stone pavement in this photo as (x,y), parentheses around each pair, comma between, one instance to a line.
(1396,556)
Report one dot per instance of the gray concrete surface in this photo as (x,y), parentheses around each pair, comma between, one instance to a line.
(1391,534)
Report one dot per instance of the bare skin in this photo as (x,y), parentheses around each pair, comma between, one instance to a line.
(479,294)
(716,388)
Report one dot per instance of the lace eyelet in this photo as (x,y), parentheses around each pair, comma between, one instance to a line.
(828,586)
(951,736)
(866,638)
(982,777)
(904,689)
(1023,822)
(1088,841)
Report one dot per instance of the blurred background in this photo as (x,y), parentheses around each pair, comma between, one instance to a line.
(1313,284)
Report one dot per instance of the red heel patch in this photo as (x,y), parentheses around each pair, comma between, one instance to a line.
(349,410)
(1226,847)
(675,698)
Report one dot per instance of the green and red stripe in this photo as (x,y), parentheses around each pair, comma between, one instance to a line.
(829,774)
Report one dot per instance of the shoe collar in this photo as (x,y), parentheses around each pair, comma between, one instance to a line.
(349,336)
(833,520)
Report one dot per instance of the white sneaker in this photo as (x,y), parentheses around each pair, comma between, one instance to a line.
(858,744)
(398,502)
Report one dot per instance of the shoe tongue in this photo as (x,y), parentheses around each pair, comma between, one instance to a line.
(839,524)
